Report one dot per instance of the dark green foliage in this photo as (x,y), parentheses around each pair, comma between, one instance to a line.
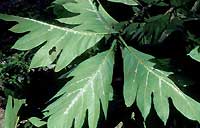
(13,74)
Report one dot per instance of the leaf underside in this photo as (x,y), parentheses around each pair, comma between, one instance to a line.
(90,86)
(142,80)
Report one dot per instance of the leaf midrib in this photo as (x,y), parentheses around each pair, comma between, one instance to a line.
(89,81)
(64,28)
(162,79)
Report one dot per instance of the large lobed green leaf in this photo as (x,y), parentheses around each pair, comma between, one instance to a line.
(141,80)
(11,113)
(89,18)
(90,86)
(67,43)
(56,40)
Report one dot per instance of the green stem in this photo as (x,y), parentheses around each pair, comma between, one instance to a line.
(122,41)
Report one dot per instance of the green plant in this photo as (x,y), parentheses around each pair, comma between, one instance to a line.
(91,27)
(12,108)
(13,74)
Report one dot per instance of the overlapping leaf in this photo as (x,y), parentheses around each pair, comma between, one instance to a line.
(90,18)
(154,28)
(141,80)
(11,113)
(57,40)
(90,85)
(37,122)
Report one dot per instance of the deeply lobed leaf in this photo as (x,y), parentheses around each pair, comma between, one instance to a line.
(141,80)
(90,85)
(154,28)
(67,43)
(56,40)
(90,18)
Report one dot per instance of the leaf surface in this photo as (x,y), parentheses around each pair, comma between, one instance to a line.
(194,54)
(11,113)
(37,122)
(91,17)
(90,86)
(142,80)
(56,41)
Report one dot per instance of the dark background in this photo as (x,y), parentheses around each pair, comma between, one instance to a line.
(40,84)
